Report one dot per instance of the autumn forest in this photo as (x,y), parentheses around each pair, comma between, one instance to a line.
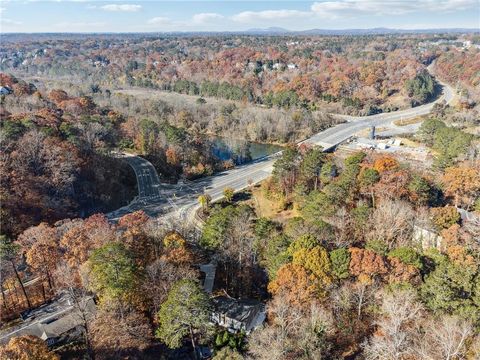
(358,252)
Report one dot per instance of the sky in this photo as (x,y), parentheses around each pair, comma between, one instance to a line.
(228,15)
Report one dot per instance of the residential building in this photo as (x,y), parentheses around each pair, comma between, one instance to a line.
(238,314)
(5,90)
(57,322)
(428,238)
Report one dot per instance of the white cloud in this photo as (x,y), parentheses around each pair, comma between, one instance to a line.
(339,8)
(352,7)
(334,9)
(10,22)
(197,21)
(80,1)
(203,18)
(253,16)
(122,7)
(160,20)
(449,5)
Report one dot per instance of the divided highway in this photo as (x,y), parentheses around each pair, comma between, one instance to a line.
(156,198)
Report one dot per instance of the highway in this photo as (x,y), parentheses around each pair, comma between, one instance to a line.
(181,199)
(152,194)
(147,177)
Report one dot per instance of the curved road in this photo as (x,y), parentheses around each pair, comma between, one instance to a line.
(180,199)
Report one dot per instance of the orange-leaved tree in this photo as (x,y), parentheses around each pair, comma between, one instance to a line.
(297,286)
(366,262)
(317,262)
(27,348)
(463,184)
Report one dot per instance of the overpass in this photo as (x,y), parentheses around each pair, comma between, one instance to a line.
(180,199)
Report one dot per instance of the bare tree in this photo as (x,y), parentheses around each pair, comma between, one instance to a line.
(239,241)
(475,347)
(315,330)
(362,294)
(344,228)
(445,339)
(9,252)
(276,341)
(237,253)
(392,222)
(267,343)
(158,228)
(30,151)
(397,328)
(473,227)
(93,133)
(293,333)
(159,278)
(120,334)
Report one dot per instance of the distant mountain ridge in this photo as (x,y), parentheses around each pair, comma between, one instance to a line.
(270,31)
(372,31)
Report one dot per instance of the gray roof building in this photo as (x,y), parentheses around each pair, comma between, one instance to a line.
(238,315)
(53,322)
(5,90)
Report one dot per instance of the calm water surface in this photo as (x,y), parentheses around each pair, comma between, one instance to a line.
(241,151)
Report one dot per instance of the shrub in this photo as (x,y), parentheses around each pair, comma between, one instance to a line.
(385,163)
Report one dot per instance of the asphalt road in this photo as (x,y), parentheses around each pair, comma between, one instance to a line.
(181,199)
(151,192)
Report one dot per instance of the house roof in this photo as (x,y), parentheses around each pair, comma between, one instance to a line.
(52,321)
(62,325)
(242,310)
(468,215)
